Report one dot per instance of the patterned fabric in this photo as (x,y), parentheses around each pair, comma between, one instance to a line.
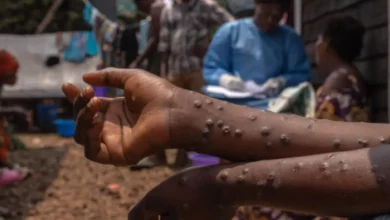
(342,103)
(185,26)
(4,144)
(126,8)
(256,213)
(298,100)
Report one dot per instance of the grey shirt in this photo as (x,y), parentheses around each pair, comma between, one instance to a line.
(185,26)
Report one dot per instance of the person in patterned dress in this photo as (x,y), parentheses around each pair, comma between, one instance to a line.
(343,96)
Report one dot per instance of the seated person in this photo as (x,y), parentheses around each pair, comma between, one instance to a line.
(9,173)
(257,49)
(343,96)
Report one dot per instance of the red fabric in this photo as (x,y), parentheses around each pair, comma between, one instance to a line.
(8,63)
(4,143)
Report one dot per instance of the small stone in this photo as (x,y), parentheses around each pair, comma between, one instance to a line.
(209,123)
(245,171)
(253,118)
(209,102)
(337,143)
(238,133)
(241,179)
(324,166)
(383,140)
(220,123)
(265,131)
(224,175)
(220,108)
(284,139)
(226,130)
(197,104)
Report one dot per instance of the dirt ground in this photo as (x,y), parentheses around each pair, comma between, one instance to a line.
(69,187)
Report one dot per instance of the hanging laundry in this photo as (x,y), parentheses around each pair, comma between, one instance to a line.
(126,8)
(144,27)
(77,49)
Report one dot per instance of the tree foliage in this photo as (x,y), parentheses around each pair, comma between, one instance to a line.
(24,16)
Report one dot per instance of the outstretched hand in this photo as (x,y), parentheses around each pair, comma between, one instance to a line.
(122,131)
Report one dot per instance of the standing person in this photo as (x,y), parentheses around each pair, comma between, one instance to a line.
(184,37)
(258,49)
(153,8)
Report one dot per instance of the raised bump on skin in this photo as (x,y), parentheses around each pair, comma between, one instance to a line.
(226,129)
(238,133)
(209,102)
(265,131)
(253,117)
(324,166)
(337,143)
(197,104)
(220,123)
(284,139)
(209,122)
(241,179)
(224,175)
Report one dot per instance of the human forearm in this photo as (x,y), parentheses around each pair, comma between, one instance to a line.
(164,64)
(239,133)
(345,184)
(151,47)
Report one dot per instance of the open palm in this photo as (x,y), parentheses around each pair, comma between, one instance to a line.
(121,131)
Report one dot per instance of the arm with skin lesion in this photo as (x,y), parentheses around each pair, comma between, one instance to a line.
(239,133)
(349,184)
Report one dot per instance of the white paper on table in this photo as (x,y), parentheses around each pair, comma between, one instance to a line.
(228,93)
(253,88)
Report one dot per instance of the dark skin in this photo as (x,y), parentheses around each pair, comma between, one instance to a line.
(267,16)
(122,131)
(155,13)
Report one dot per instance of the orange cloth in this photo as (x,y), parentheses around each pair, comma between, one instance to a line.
(8,64)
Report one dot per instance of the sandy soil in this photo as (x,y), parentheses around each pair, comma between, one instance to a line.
(68,187)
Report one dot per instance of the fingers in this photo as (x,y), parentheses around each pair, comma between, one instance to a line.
(85,119)
(70,91)
(110,77)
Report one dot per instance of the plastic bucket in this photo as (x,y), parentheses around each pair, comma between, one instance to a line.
(203,159)
(65,127)
(46,115)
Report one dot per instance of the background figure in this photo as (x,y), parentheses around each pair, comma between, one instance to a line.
(258,49)
(343,97)
(151,54)
(184,37)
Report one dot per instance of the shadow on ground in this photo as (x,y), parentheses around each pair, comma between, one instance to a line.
(22,197)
